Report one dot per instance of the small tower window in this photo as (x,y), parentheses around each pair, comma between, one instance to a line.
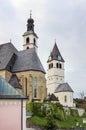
(50,65)
(60,66)
(57,65)
(35,87)
(34,40)
(65,98)
(27,40)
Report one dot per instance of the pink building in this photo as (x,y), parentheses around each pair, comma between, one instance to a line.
(12,107)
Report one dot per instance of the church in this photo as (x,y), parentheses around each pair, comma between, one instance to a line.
(23,69)
(25,72)
(55,78)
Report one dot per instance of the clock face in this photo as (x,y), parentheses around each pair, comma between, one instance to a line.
(59,57)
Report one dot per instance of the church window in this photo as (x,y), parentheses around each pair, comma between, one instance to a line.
(27,40)
(60,66)
(65,98)
(34,40)
(26,86)
(35,87)
(57,65)
(50,65)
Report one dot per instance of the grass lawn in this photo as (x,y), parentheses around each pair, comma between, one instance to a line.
(71,122)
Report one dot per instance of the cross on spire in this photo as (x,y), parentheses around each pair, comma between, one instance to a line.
(30,13)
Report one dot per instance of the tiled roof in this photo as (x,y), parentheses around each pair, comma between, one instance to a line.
(52,97)
(63,88)
(28,60)
(6,52)
(14,81)
(9,92)
(30,32)
(25,60)
(55,54)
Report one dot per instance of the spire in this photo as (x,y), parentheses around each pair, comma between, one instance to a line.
(55,54)
(30,23)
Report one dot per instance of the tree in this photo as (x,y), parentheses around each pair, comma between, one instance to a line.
(82,95)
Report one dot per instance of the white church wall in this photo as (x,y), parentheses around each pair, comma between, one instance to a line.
(69,98)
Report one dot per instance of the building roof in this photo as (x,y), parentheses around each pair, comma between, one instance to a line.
(6,52)
(55,54)
(25,60)
(63,88)
(14,81)
(28,60)
(52,97)
(9,92)
(30,32)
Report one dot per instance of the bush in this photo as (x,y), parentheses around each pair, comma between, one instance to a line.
(60,114)
(74,112)
(34,107)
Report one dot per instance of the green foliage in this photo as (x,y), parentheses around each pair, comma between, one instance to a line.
(74,112)
(50,122)
(29,107)
(35,108)
(60,115)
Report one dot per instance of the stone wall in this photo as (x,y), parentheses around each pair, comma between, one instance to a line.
(5,74)
(26,78)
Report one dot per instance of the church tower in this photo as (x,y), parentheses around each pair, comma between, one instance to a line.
(30,37)
(55,70)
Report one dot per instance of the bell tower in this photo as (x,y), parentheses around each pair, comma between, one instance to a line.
(55,70)
(30,37)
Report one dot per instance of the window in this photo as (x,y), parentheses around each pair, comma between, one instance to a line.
(50,65)
(59,65)
(35,87)
(65,98)
(34,40)
(27,40)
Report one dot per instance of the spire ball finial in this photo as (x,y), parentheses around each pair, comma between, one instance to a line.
(30,13)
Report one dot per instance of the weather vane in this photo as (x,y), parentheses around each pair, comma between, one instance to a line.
(30,13)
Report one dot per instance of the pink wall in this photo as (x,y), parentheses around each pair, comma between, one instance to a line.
(10,116)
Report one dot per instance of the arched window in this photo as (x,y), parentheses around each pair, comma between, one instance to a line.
(26,86)
(34,41)
(60,66)
(50,65)
(65,98)
(57,65)
(35,87)
(27,40)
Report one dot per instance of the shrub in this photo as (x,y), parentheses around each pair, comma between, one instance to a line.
(74,112)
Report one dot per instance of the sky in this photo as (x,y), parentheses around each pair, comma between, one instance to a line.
(63,20)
